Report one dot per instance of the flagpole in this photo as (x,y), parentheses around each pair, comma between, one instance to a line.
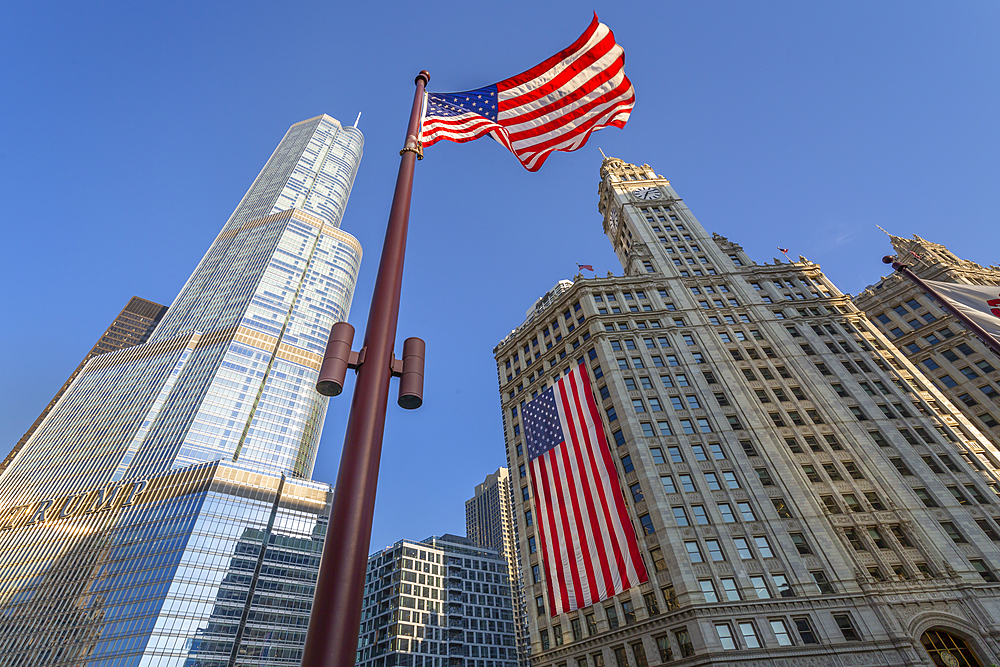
(980,332)
(332,638)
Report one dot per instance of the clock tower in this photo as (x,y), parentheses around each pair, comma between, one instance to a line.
(649,226)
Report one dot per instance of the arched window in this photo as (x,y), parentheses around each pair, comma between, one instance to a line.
(947,650)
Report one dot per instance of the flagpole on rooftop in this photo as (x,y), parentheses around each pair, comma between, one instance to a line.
(332,638)
(990,341)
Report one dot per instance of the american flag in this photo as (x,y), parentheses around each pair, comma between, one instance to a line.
(588,544)
(553,106)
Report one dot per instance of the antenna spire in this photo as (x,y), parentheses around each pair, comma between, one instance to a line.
(602,153)
(357,121)
(886,233)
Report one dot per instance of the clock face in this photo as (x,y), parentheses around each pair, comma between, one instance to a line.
(647,193)
(614,215)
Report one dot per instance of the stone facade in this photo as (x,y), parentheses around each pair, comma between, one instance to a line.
(951,357)
(801,493)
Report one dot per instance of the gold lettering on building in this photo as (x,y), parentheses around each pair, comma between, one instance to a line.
(98,500)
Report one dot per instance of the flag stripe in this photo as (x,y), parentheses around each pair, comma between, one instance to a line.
(571,557)
(553,539)
(554,106)
(578,491)
(542,517)
(634,557)
(569,53)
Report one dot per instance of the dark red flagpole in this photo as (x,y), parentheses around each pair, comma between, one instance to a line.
(332,639)
(980,332)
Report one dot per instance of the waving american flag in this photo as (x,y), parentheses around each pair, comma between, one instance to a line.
(588,545)
(554,106)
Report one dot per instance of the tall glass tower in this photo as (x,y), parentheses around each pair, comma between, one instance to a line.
(163,513)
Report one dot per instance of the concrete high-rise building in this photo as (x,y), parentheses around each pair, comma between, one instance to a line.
(489,522)
(953,358)
(801,493)
(163,513)
(132,327)
(443,602)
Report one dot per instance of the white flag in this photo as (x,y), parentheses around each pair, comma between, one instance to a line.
(981,303)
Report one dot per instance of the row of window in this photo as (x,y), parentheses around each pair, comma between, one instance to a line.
(747,637)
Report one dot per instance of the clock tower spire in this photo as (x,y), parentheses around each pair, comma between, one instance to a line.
(649,226)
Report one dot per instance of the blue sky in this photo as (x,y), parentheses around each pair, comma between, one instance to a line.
(131,130)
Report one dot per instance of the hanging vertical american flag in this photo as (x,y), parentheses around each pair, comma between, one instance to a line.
(588,545)
(554,106)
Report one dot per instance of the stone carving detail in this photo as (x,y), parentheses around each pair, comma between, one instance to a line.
(907,613)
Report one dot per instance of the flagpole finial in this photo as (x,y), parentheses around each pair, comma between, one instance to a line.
(425,75)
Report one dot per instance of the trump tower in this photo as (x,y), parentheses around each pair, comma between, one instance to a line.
(163,512)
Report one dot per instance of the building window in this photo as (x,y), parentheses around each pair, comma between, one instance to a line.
(612,615)
(925,497)
(800,543)
(843,622)
(749,634)
(983,570)
(726,638)
(780,631)
(659,563)
(628,613)
(652,606)
(683,638)
(715,550)
(680,516)
(730,589)
(804,628)
(824,585)
(663,647)
(764,547)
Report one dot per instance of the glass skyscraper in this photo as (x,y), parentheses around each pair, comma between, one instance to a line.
(163,512)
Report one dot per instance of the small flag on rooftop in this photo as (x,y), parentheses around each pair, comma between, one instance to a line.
(554,106)
(581,267)
(588,545)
